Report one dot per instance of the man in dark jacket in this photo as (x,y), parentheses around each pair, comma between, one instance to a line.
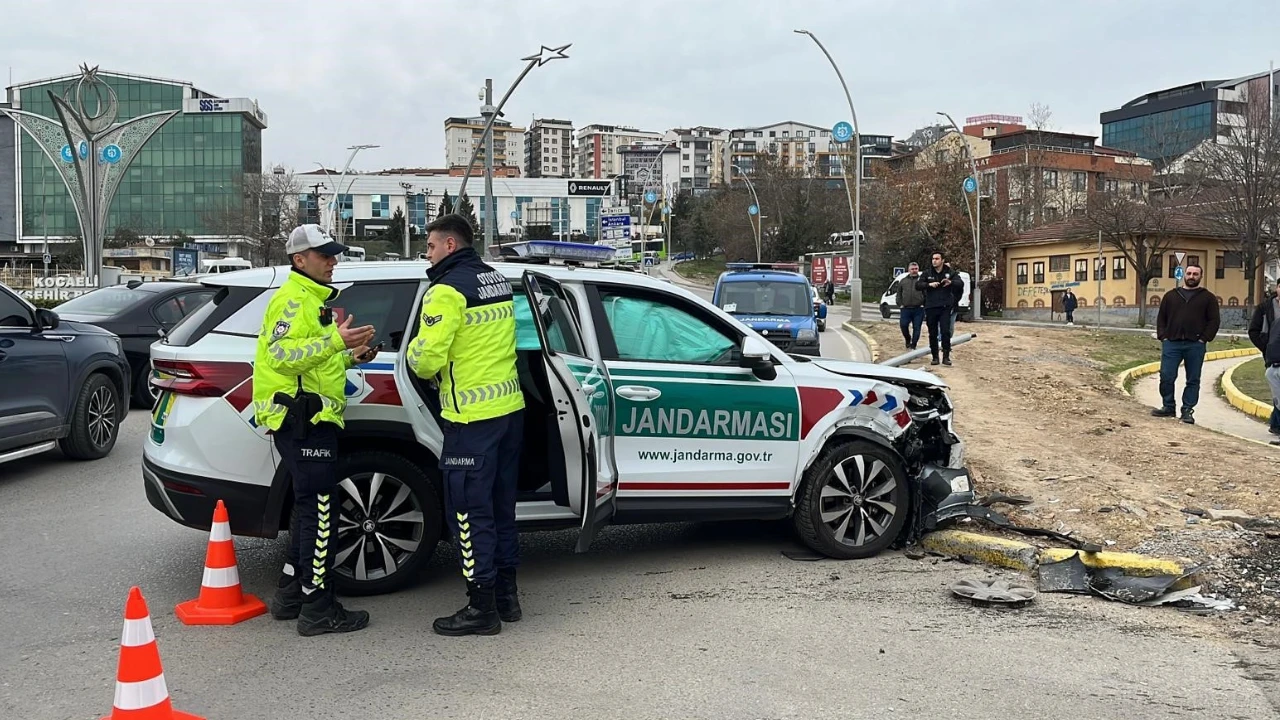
(910,302)
(1265,336)
(1069,305)
(939,296)
(829,291)
(1187,321)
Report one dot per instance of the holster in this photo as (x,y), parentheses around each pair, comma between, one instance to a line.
(300,410)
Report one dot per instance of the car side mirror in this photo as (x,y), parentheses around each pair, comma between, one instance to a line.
(756,357)
(46,319)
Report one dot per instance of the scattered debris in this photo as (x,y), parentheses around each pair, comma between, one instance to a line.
(914,555)
(993,593)
(1169,504)
(1193,511)
(1106,509)
(1071,575)
(997,498)
(1134,510)
(1232,515)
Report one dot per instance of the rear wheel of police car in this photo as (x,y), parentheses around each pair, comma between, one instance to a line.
(853,502)
(389,522)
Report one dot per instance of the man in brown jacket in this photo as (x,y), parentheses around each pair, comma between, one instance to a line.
(1187,321)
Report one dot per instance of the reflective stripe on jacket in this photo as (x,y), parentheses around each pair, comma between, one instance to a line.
(293,344)
(467,340)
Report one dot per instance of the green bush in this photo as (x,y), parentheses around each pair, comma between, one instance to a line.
(45,303)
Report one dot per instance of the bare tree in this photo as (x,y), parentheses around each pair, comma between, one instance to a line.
(260,212)
(1139,231)
(1238,179)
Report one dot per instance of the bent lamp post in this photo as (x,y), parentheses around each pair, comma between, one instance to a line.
(91,152)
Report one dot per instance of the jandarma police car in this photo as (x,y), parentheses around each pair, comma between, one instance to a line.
(644,404)
(773,299)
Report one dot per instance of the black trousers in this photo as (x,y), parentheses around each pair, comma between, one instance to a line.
(481,466)
(939,321)
(313,535)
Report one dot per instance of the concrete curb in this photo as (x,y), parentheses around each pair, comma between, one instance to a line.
(1126,377)
(1239,400)
(1026,557)
(867,340)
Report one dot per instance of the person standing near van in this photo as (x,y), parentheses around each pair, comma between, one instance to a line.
(466,344)
(939,298)
(910,302)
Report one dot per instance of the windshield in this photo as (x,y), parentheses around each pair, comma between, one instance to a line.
(765,297)
(105,302)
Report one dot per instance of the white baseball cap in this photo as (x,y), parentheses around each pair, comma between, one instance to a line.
(311,237)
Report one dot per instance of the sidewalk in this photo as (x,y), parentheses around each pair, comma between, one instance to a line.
(1212,411)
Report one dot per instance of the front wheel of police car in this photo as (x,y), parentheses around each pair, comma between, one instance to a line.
(389,523)
(854,501)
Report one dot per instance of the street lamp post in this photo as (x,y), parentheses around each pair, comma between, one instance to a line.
(758,217)
(855,279)
(544,56)
(975,219)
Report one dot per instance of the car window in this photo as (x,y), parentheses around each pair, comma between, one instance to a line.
(559,318)
(764,297)
(384,305)
(527,332)
(168,312)
(647,328)
(190,302)
(104,302)
(13,313)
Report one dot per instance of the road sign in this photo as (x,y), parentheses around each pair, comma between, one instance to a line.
(898,270)
(842,132)
(1180,256)
(589,187)
(970,185)
(48,258)
(651,197)
(1177,273)
(753,209)
(615,225)
(514,215)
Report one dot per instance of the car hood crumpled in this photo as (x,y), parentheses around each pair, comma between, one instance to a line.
(849,368)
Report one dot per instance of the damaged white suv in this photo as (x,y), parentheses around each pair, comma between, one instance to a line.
(645,403)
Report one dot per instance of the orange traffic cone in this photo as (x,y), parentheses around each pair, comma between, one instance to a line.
(221,601)
(140,690)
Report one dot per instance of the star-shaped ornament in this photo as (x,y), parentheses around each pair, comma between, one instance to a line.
(546,54)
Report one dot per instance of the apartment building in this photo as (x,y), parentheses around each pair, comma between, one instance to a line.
(462,134)
(596,151)
(548,149)
(805,148)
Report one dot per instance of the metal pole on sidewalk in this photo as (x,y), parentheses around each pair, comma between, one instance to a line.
(1102,265)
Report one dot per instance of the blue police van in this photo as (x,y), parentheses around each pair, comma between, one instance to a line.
(775,300)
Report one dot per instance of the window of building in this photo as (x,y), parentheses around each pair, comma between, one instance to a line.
(757,133)
(1100,269)
(989,184)
(1079,181)
(1173,266)
(1052,214)
(786,133)
(1082,270)
(1119,268)
(1112,186)
(1022,273)
(1050,178)
(685,168)
(1232,259)
(381,206)
(1059,263)
(1037,272)
(1193,260)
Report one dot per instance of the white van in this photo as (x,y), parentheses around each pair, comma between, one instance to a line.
(224,265)
(353,254)
(889,300)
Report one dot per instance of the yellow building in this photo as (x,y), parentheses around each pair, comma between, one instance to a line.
(1042,263)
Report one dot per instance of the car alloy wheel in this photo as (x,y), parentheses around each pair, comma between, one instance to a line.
(102,417)
(380,525)
(857,501)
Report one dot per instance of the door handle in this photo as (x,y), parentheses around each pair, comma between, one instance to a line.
(589,390)
(640,393)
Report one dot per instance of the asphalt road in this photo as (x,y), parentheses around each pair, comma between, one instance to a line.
(659,621)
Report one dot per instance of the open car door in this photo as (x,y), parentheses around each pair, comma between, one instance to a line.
(591,484)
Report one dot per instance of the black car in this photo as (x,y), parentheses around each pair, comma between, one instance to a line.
(137,312)
(61,383)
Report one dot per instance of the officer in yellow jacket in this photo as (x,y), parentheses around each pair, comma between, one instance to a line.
(299,377)
(466,344)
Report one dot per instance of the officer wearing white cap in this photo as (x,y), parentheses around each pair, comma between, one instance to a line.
(299,374)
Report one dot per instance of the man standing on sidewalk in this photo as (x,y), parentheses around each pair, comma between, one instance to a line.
(1264,336)
(910,301)
(1069,305)
(1187,321)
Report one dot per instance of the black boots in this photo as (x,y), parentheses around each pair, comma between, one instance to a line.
(288,600)
(1164,412)
(935,359)
(946,358)
(506,596)
(1188,416)
(322,613)
(479,617)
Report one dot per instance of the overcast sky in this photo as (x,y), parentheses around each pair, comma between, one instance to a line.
(331,74)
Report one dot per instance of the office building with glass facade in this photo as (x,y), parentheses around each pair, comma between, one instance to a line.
(1164,125)
(187,179)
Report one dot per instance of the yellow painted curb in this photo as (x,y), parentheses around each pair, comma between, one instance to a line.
(1239,400)
(1125,377)
(1131,563)
(870,342)
(986,549)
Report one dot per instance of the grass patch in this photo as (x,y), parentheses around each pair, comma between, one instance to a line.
(1118,351)
(1250,379)
(701,270)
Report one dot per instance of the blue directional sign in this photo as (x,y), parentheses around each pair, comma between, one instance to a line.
(1177,273)
(651,197)
(753,210)
(842,132)
(68,155)
(970,185)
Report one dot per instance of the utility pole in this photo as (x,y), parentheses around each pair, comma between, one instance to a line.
(490,213)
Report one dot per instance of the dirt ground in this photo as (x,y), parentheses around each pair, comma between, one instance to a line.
(1044,420)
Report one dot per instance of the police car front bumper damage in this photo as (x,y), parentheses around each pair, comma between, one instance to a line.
(942,489)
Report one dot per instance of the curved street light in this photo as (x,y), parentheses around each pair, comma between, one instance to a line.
(975,221)
(758,218)
(855,201)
